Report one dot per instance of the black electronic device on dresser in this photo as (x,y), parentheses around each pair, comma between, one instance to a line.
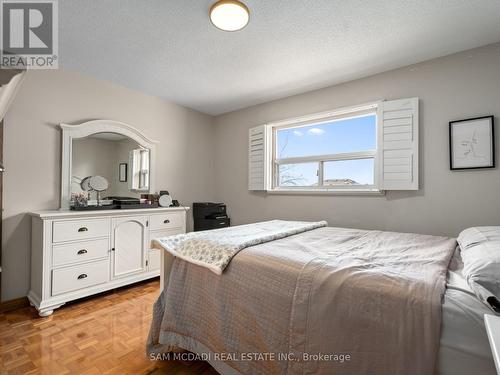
(208,215)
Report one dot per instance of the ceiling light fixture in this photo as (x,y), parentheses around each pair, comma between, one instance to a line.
(229,15)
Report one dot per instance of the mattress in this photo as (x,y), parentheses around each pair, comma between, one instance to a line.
(464,347)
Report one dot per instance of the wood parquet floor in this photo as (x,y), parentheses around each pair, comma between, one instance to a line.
(104,334)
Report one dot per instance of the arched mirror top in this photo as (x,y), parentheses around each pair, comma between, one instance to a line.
(106,126)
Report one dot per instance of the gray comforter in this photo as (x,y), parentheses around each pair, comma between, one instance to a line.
(327,301)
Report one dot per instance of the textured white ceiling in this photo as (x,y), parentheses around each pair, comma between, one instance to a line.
(169,48)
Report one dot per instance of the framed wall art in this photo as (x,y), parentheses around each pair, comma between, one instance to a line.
(472,143)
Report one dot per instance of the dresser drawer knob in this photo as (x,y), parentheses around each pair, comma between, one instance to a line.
(166,221)
(82,251)
(82,276)
(83,229)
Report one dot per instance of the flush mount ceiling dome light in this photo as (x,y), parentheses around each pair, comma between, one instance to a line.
(229,15)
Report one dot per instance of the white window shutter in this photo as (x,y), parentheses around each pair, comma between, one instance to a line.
(258,158)
(398,144)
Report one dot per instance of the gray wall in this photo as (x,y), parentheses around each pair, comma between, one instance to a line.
(32,149)
(450,88)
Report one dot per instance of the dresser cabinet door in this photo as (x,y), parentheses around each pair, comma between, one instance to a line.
(129,239)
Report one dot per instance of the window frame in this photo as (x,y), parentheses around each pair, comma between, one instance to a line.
(317,119)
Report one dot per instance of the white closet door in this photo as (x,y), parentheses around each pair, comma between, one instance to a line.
(129,238)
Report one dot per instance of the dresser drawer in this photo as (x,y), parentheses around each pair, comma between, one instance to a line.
(167,220)
(73,278)
(79,229)
(79,251)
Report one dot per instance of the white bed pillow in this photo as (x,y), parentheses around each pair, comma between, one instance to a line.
(476,235)
(480,250)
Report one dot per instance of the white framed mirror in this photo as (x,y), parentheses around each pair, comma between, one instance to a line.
(97,151)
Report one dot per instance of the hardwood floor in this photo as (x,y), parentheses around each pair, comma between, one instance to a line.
(105,334)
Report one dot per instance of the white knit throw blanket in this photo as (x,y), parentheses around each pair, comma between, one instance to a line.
(214,249)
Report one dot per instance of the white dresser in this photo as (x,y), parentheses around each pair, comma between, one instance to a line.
(79,253)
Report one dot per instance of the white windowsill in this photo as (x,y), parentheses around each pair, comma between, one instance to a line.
(282,191)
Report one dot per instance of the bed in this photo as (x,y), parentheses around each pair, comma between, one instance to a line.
(326,300)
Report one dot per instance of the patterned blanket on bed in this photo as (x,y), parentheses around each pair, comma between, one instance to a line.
(214,249)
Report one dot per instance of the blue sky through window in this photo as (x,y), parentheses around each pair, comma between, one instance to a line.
(349,135)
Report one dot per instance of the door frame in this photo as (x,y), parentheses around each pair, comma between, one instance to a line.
(1,203)
(10,82)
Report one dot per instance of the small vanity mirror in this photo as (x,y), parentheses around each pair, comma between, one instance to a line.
(104,162)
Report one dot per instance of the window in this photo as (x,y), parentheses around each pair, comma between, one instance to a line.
(327,153)
(139,169)
(363,149)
